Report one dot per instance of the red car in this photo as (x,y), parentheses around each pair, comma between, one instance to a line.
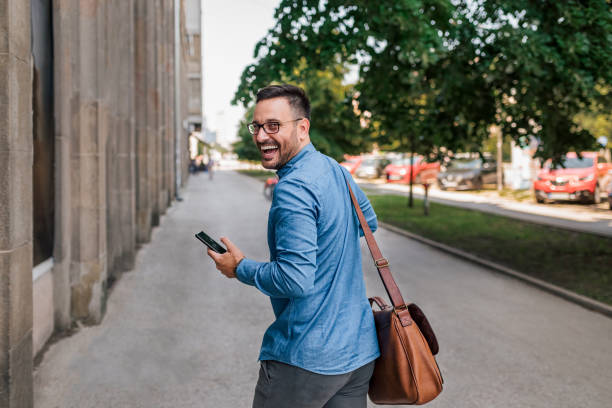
(399,170)
(351,163)
(577,179)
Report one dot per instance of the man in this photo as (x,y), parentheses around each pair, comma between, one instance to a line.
(320,351)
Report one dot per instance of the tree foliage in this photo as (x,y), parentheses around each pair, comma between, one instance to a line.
(547,61)
(244,147)
(436,74)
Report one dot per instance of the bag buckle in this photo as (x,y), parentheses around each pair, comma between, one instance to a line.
(400,308)
(406,319)
(381,263)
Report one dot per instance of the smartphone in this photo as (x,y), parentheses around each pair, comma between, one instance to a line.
(209,242)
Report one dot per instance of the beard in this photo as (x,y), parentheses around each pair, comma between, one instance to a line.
(285,152)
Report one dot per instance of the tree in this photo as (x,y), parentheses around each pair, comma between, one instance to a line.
(546,61)
(436,73)
(390,43)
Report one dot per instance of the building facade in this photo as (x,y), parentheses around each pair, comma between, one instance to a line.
(193,32)
(94,97)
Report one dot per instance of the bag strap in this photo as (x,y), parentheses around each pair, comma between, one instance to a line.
(381,263)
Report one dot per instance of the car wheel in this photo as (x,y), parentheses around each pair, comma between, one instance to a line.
(596,195)
(478,184)
(539,200)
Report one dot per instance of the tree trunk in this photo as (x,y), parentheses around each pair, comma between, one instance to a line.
(498,134)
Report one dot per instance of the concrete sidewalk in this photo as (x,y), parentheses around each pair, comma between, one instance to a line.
(178,334)
(573,217)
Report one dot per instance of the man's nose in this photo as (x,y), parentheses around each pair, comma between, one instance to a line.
(261,136)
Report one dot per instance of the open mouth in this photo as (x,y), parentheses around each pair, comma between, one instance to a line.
(268,151)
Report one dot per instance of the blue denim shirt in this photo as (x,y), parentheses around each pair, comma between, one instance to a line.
(324,322)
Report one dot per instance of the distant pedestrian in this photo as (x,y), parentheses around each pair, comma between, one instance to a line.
(320,350)
(210,166)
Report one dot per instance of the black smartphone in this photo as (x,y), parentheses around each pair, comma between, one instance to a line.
(209,242)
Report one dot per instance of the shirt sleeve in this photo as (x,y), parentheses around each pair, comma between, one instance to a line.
(291,274)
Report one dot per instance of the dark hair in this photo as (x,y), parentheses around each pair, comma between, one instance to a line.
(295,95)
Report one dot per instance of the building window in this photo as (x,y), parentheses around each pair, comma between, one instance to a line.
(43,131)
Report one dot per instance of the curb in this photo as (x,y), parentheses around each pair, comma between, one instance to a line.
(583,301)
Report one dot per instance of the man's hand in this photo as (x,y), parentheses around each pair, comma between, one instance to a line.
(228,261)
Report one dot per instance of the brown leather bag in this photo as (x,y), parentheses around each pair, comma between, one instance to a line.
(406,371)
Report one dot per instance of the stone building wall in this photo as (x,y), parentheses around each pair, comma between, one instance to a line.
(115,161)
(15,205)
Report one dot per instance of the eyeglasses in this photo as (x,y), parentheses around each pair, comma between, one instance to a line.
(268,127)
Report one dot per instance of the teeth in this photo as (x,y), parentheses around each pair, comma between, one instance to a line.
(266,148)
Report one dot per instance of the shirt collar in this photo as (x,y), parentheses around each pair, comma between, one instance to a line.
(291,163)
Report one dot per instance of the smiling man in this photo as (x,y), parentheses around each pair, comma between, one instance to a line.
(320,350)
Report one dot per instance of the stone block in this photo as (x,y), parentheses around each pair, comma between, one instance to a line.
(91,241)
(21,392)
(89,179)
(61,295)
(15,326)
(63,202)
(15,199)
(86,139)
(20,96)
(4,48)
(15,104)
(126,174)
(4,316)
(20,292)
(3,395)
(4,94)
(87,291)
(19,29)
(143,222)
(43,315)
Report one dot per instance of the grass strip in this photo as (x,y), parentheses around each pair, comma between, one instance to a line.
(258,174)
(577,261)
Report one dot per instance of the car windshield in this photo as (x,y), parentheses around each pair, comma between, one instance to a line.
(465,164)
(574,163)
(404,161)
(369,162)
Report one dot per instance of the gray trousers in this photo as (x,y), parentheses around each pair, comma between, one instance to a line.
(281,385)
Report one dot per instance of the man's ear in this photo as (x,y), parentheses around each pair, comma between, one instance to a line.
(303,129)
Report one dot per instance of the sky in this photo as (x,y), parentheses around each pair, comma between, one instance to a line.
(231,28)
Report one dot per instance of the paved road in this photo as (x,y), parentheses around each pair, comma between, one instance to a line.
(575,216)
(178,334)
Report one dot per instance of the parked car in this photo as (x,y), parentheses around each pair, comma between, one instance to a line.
(398,171)
(468,174)
(352,163)
(372,167)
(576,179)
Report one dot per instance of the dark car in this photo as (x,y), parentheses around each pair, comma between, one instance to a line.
(372,167)
(468,174)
